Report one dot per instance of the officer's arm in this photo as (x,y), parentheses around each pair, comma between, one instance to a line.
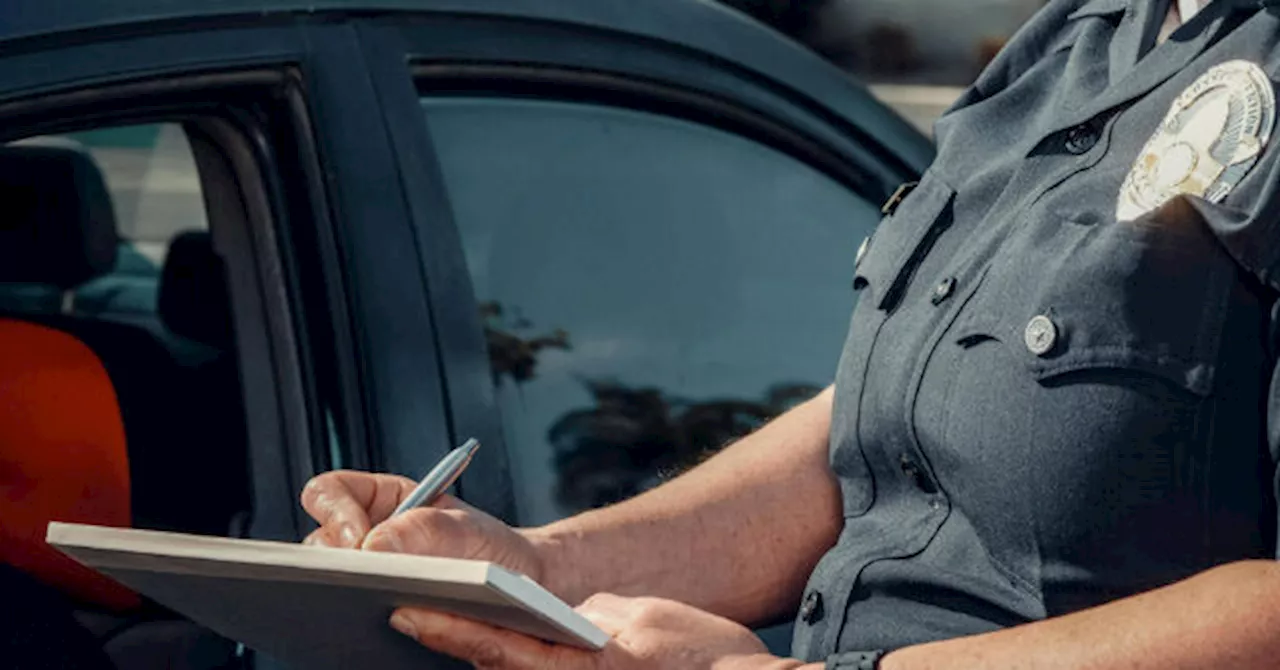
(1228,617)
(737,536)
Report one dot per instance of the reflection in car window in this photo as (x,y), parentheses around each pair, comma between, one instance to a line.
(651,288)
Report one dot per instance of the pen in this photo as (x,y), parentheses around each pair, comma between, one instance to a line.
(441,477)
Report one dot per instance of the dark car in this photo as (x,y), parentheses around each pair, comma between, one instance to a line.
(605,237)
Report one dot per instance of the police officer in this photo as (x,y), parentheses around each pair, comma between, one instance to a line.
(1052,438)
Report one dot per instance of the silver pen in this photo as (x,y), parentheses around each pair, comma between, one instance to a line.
(441,477)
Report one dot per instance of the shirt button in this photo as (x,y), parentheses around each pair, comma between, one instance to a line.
(1041,335)
(811,610)
(943,290)
(1081,139)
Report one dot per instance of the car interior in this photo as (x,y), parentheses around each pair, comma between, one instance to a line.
(120,404)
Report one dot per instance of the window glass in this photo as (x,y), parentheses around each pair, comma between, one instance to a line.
(151,177)
(120,391)
(153,182)
(172,368)
(651,288)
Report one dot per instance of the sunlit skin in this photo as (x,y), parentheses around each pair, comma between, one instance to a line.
(665,573)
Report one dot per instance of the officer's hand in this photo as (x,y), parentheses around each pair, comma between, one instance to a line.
(648,634)
(352,509)
(348,504)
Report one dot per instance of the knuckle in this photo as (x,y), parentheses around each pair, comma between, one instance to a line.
(601,601)
(488,655)
(418,531)
(314,489)
(650,611)
(440,526)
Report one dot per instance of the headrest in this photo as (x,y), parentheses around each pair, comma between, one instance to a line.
(57,226)
(193,300)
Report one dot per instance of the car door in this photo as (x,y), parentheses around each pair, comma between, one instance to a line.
(258,106)
(637,224)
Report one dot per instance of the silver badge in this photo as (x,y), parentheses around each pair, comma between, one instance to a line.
(1213,135)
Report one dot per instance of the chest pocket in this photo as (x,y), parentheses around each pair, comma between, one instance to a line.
(1146,296)
(902,240)
(1081,368)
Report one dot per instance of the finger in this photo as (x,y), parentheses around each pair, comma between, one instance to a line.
(327,536)
(377,494)
(426,531)
(342,518)
(319,538)
(484,646)
(346,503)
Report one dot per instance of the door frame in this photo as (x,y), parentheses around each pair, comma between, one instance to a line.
(233,86)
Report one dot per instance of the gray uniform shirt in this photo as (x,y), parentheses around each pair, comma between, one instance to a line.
(1043,406)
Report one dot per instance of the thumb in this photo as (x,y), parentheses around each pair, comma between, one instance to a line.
(487,647)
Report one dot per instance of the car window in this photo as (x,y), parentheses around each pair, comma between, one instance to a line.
(651,288)
(172,368)
(151,176)
(153,181)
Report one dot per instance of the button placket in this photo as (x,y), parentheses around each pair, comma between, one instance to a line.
(833,577)
(969,279)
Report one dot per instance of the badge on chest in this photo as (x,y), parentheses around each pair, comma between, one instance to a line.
(1213,135)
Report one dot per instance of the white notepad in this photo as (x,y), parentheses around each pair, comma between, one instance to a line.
(317,607)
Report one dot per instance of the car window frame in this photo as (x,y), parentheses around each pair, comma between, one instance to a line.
(187,77)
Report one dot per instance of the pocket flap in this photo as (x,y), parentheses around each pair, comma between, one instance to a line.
(1075,338)
(1131,297)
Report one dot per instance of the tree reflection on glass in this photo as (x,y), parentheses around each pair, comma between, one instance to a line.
(635,437)
(510,354)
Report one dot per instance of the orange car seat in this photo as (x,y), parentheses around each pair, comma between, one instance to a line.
(63,454)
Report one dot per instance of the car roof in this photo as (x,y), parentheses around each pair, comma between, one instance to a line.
(704,25)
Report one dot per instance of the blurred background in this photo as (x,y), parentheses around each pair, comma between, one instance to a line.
(915,55)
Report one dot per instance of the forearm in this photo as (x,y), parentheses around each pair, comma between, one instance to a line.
(736,536)
(1225,618)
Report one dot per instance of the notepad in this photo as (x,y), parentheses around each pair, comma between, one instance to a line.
(317,607)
